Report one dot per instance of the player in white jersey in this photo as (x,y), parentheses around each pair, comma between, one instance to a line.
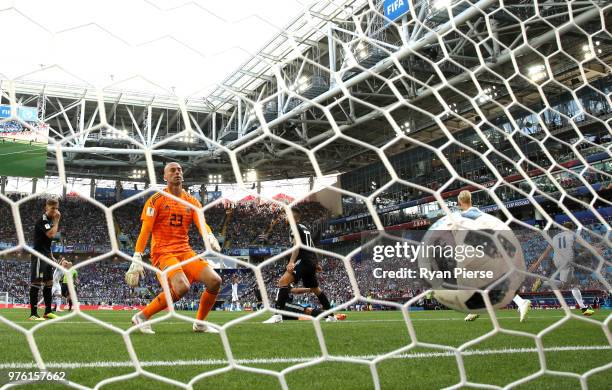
(56,291)
(235,304)
(468,211)
(563,248)
(564,253)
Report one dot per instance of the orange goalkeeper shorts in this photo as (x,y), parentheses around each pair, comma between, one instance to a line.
(192,270)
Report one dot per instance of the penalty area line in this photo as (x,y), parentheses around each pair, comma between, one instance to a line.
(222,362)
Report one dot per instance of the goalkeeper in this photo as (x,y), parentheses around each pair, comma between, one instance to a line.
(168,221)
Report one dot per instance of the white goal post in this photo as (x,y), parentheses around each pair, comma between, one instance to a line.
(4,300)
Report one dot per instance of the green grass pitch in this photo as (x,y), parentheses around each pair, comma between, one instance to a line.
(22,159)
(175,352)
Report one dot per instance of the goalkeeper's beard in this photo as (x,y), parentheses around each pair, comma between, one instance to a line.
(175,185)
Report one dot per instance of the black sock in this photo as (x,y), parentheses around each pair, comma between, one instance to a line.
(34,300)
(282,297)
(48,298)
(69,303)
(324,301)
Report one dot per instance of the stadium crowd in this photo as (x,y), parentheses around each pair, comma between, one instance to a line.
(250,222)
(99,283)
(84,225)
(401,194)
(313,215)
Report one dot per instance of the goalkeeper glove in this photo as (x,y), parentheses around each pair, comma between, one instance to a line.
(136,271)
(212,241)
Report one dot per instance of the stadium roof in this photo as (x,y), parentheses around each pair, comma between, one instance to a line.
(383,81)
(151,51)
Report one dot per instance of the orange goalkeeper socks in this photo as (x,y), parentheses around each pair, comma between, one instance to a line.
(207,301)
(158,304)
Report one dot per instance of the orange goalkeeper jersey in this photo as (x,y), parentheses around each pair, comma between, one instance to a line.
(169,222)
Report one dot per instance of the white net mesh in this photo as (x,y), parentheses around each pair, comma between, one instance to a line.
(509,99)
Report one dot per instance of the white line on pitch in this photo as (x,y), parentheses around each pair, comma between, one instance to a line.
(250,322)
(215,362)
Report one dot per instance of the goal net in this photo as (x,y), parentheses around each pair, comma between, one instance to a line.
(409,103)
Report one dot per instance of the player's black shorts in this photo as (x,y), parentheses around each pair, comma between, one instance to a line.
(306,271)
(65,291)
(40,270)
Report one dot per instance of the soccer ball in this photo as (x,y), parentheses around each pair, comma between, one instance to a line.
(470,253)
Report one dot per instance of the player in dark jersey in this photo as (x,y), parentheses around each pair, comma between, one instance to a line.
(258,300)
(303,266)
(42,272)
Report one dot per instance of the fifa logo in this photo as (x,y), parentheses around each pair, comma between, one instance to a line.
(394,6)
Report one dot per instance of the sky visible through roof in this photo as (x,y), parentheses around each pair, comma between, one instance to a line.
(157,46)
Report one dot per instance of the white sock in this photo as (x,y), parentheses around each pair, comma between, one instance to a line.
(58,303)
(578,297)
(518,300)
